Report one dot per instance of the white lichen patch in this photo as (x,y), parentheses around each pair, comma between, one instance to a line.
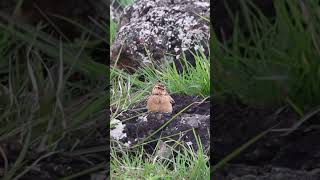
(127,144)
(143,118)
(117,133)
(189,143)
(203,4)
(193,120)
(198,48)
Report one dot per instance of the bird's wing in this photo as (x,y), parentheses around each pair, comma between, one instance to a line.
(147,99)
(171,100)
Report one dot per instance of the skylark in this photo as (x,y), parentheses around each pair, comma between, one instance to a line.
(160,100)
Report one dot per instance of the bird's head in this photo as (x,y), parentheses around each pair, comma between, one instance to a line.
(159,89)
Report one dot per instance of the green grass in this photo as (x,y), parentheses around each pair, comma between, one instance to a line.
(125,2)
(51,93)
(113,30)
(192,80)
(273,61)
(187,164)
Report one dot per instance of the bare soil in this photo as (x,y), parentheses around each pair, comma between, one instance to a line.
(235,124)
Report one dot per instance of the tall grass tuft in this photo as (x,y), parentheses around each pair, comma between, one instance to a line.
(51,93)
(272,60)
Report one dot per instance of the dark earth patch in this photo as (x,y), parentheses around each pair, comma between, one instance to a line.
(142,124)
(235,124)
(89,153)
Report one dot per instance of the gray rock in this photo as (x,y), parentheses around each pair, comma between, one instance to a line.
(146,125)
(156,28)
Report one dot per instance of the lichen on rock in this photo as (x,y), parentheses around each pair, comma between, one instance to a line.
(156,28)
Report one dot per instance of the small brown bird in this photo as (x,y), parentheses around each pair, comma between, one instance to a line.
(159,100)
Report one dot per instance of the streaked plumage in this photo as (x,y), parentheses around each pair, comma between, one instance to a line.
(160,100)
